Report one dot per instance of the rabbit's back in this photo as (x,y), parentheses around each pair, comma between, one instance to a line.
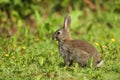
(83,45)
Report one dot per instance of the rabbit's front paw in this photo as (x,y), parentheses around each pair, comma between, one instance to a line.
(68,62)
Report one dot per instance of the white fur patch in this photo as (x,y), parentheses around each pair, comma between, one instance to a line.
(100,63)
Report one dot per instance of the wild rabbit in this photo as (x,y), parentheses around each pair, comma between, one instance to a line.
(75,50)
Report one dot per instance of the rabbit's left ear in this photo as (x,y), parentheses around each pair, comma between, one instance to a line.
(67,22)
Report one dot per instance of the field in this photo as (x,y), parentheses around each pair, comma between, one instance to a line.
(31,54)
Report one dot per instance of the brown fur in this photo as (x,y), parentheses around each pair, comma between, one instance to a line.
(74,50)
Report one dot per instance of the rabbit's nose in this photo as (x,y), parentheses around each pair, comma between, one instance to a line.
(53,38)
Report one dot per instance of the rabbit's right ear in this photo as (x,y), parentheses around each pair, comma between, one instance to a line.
(67,22)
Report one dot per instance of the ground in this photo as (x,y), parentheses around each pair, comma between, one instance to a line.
(33,55)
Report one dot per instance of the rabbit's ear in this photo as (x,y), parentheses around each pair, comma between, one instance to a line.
(67,22)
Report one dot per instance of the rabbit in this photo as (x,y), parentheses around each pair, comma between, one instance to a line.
(75,50)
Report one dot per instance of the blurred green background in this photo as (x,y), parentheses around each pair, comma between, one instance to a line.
(28,52)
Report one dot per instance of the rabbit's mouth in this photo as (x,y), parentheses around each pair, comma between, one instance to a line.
(54,38)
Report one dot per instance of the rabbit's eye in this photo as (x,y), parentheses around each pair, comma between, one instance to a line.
(58,32)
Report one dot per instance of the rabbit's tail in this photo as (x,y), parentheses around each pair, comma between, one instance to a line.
(100,63)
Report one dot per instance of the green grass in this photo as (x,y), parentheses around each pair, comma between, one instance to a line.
(31,55)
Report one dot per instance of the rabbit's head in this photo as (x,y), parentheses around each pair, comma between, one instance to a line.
(63,33)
